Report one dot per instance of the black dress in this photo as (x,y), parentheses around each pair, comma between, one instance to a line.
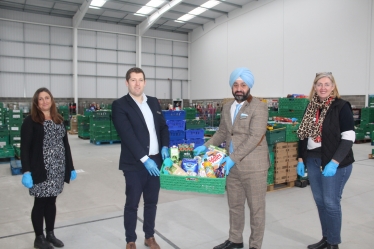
(54,160)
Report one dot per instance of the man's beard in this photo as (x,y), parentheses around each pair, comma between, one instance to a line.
(242,96)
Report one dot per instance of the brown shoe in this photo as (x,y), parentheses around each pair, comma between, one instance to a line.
(151,243)
(131,245)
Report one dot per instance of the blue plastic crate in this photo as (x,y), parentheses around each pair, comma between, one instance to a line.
(195,133)
(176,135)
(15,166)
(176,142)
(176,125)
(174,115)
(195,141)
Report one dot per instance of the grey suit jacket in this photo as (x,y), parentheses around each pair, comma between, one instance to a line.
(247,134)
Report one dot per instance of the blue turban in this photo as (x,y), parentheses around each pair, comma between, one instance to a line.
(245,74)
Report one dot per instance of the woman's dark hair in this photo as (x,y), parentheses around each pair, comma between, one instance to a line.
(37,115)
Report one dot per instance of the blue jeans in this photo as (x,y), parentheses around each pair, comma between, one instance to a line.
(327,193)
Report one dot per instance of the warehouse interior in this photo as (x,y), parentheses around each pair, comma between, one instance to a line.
(81,50)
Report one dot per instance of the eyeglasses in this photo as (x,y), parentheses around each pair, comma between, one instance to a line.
(325,73)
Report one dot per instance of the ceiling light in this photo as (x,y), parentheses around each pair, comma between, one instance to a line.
(145,10)
(185,17)
(197,11)
(179,21)
(137,14)
(94,7)
(210,4)
(97,3)
(155,3)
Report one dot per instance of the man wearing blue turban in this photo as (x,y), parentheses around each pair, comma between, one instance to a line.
(243,127)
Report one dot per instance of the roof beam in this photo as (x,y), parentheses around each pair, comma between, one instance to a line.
(232,4)
(78,17)
(210,9)
(146,24)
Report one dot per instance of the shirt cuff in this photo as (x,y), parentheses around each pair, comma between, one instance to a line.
(144,158)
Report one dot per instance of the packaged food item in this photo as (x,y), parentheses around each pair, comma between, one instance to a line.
(190,166)
(177,170)
(215,155)
(185,151)
(174,154)
(220,171)
(210,172)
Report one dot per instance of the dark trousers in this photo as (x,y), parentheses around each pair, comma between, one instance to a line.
(138,183)
(44,209)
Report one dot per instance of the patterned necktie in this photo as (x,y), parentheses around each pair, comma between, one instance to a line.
(235,113)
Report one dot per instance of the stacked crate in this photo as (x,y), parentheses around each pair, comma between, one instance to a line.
(83,126)
(14,125)
(100,126)
(285,162)
(292,107)
(64,111)
(366,124)
(74,125)
(270,179)
(114,134)
(2,114)
(176,122)
(194,128)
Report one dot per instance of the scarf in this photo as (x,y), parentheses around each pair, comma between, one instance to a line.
(311,125)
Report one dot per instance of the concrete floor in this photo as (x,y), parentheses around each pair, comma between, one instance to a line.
(90,209)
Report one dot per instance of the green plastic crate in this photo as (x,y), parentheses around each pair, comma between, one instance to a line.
(195,124)
(291,132)
(4,140)
(17,150)
(275,136)
(14,139)
(190,113)
(193,183)
(7,151)
(293,103)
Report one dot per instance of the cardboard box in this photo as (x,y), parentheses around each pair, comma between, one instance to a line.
(281,162)
(281,146)
(292,145)
(291,176)
(281,170)
(280,178)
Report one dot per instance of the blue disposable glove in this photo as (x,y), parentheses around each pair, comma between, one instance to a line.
(27,180)
(73,175)
(229,164)
(330,169)
(151,166)
(199,150)
(300,168)
(165,152)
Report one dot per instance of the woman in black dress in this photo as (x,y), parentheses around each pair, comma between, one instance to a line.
(46,164)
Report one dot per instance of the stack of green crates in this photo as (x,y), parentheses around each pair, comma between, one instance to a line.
(272,113)
(64,111)
(360,133)
(270,179)
(100,126)
(114,133)
(367,115)
(292,107)
(291,132)
(2,114)
(14,126)
(276,135)
(190,113)
(83,126)
(371,100)
(4,135)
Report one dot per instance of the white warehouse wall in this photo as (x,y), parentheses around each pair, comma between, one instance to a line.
(284,43)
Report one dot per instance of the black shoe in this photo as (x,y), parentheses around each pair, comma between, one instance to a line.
(332,246)
(319,245)
(229,245)
(41,243)
(56,242)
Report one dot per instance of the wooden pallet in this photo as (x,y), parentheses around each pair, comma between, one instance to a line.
(371,156)
(73,133)
(361,141)
(274,187)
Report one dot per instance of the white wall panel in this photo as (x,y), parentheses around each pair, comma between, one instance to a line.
(106,87)
(34,82)
(37,50)
(180,74)
(87,68)
(180,48)
(61,36)
(37,66)
(164,47)
(106,69)
(150,72)
(163,89)
(185,89)
(87,54)
(167,35)
(61,67)
(148,59)
(36,33)
(164,60)
(150,88)
(126,42)
(106,40)
(60,52)
(62,86)
(86,38)
(164,73)
(122,88)
(8,64)
(11,85)
(107,27)
(148,45)
(126,57)
(176,89)
(180,62)
(86,87)
(106,56)
(11,31)
(122,69)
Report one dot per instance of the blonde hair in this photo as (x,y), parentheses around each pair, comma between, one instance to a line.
(335,92)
